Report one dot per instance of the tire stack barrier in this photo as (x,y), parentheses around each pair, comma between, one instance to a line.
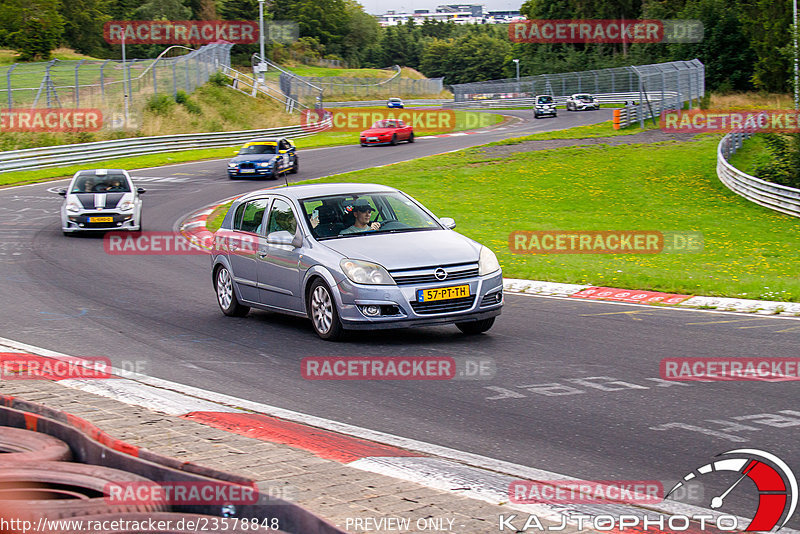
(54,465)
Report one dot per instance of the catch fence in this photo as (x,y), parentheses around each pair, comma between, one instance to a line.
(107,85)
(669,85)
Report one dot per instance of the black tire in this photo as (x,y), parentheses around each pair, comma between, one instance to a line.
(411,138)
(226,297)
(59,490)
(536,117)
(321,309)
(295,166)
(363,144)
(19,445)
(394,139)
(476,327)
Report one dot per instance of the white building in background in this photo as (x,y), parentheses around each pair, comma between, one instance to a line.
(457,13)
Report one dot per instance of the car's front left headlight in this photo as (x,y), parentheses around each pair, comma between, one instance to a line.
(73,206)
(365,272)
(487,264)
(265,164)
(232,165)
(127,205)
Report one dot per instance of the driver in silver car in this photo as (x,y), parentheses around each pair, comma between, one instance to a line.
(362,211)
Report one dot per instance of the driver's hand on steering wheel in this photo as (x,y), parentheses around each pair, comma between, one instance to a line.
(375,225)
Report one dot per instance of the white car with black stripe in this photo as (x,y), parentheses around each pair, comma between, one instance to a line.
(101,199)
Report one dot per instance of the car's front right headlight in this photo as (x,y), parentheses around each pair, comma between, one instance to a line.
(232,165)
(487,263)
(127,205)
(73,206)
(365,272)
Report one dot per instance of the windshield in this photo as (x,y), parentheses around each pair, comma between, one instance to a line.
(263,148)
(584,98)
(394,100)
(545,100)
(109,183)
(344,216)
(386,123)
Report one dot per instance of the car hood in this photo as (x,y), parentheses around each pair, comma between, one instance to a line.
(378,131)
(254,157)
(409,249)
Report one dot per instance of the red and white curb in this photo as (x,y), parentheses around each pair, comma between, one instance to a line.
(442,468)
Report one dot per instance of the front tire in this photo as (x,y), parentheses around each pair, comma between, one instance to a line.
(226,295)
(411,138)
(322,312)
(473,328)
(394,140)
(295,166)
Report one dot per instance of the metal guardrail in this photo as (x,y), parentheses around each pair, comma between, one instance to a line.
(61,155)
(603,98)
(382,103)
(773,196)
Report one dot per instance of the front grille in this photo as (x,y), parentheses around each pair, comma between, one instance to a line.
(247,165)
(443,306)
(454,273)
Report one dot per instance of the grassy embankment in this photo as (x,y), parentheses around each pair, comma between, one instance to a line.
(749,251)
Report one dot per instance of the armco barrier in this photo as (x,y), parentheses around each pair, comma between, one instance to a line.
(773,196)
(60,155)
(92,446)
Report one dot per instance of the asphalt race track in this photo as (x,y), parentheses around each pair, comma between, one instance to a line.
(607,416)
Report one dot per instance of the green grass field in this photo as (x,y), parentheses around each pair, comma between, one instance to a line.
(749,251)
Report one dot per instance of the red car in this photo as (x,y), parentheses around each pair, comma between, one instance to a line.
(387,132)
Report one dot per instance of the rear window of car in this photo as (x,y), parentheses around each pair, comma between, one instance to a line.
(249,215)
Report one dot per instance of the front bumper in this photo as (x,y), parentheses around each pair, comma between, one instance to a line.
(375,141)
(587,107)
(243,173)
(485,301)
(81,222)
(545,112)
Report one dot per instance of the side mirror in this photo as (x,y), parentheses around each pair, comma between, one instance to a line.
(297,240)
(281,237)
(141,190)
(62,192)
(447,222)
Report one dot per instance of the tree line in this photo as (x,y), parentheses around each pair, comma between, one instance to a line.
(747,43)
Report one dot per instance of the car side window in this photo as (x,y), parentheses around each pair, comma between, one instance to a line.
(281,218)
(249,215)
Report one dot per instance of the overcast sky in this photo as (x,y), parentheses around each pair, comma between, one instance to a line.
(379,7)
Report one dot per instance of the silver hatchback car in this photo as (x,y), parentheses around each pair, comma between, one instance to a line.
(350,257)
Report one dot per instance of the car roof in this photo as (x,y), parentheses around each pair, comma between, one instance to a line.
(582,94)
(298,192)
(100,172)
(264,140)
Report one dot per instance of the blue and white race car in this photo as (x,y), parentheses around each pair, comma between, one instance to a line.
(267,157)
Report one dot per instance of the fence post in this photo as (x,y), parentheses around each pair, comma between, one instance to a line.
(174,81)
(612,82)
(102,80)
(155,80)
(77,86)
(8,85)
